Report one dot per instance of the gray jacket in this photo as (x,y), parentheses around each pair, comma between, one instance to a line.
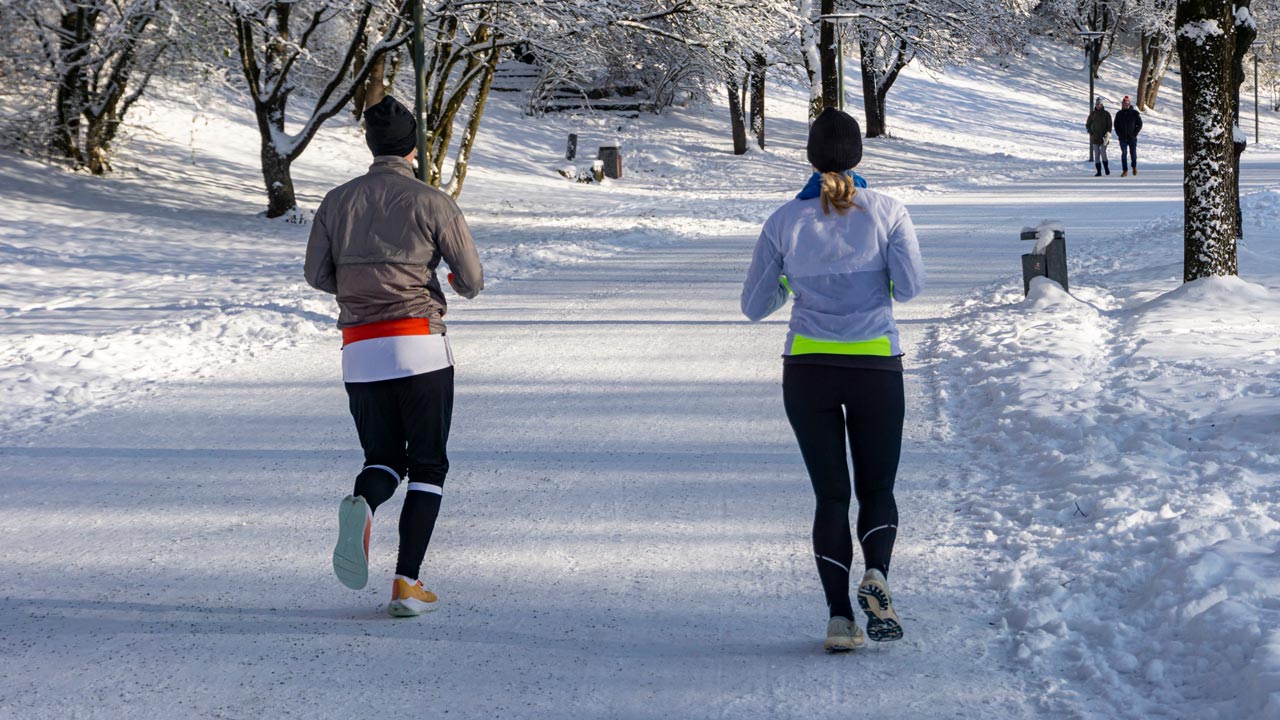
(377,240)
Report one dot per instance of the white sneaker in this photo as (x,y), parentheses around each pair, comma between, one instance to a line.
(843,635)
(877,603)
(351,554)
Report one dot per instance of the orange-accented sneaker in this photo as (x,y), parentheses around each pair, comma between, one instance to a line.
(351,555)
(410,598)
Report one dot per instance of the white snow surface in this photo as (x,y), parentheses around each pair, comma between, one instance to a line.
(1090,519)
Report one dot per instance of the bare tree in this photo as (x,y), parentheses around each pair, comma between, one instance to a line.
(99,55)
(938,33)
(273,54)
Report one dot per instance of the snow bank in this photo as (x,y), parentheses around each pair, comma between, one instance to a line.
(1121,446)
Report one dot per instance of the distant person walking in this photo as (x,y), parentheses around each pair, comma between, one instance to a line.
(847,254)
(1128,125)
(376,243)
(1099,127)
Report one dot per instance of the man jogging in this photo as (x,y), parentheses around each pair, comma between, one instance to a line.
(376,243)
(1128,125)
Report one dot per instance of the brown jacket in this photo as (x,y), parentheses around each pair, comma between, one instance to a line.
(376,242)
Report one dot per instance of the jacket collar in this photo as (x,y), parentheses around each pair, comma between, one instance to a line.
(391,163)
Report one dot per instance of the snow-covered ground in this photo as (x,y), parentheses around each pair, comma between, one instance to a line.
(1090,520)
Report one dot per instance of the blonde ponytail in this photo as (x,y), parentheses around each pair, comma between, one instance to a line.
(838,190)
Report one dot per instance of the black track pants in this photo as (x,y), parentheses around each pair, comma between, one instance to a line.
(404,429)
(828,406)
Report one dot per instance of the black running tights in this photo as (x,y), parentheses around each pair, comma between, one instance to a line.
(404,429)
(827,405)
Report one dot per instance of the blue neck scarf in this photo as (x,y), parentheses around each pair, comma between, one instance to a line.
(813,188)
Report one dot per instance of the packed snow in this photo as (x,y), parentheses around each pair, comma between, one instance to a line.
(1090,518)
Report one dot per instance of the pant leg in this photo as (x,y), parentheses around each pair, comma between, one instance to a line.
(376,411)
(1133,153)
(426,410)
(874,419)
(817,417)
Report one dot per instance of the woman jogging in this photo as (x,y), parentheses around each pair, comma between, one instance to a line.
(846,253)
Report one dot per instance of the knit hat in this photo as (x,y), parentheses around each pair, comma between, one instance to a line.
(1097,100)
(390,129)
(1125,100)
(835,142)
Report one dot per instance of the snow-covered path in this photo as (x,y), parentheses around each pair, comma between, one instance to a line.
(625,534)
(625,530)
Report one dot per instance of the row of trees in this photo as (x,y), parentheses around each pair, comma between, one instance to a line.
(74,68)
(77,66)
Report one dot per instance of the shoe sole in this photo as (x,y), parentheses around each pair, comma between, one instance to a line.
(350,564)
(882,621)
(410,608)
(839,645)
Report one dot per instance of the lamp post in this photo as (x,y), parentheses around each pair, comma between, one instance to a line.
(1090,37)
(1255,47)
(838,20)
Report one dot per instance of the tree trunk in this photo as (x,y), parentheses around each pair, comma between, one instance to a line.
(1163,59)
(473,126)
(1205,42)
(812,61)
(827,58)
(1245,33)
(1144,73)
(97,143)
(277,173)
(872,100)
(736,118)
(1155,63)
(758,68)
(75,28)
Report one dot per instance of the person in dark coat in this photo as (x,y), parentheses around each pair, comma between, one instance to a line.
(1128,125)
(1099,127)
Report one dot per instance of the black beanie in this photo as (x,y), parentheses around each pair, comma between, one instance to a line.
(389,128)
(835,142)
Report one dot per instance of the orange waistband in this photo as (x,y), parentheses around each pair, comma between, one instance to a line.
(386,328)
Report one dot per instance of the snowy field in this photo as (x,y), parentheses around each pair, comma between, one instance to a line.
(1090,515)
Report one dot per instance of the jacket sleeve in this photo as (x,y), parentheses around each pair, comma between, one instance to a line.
(1137,125)
(763,291)
(459,250)
(318,268)
(906,266)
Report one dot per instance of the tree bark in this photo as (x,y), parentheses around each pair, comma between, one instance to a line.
(1245,33)
(75,29)
(463,160)
(1155,63)
(758,68)
(872,100)
(736,118)
(827,58)
(875,89)
(277,173)
(812,61)
(1205,42)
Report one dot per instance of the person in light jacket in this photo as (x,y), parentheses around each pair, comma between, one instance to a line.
(1099,127)
(376,244)
(846,253)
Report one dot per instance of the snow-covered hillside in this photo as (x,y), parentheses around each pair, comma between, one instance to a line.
(1090,519)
